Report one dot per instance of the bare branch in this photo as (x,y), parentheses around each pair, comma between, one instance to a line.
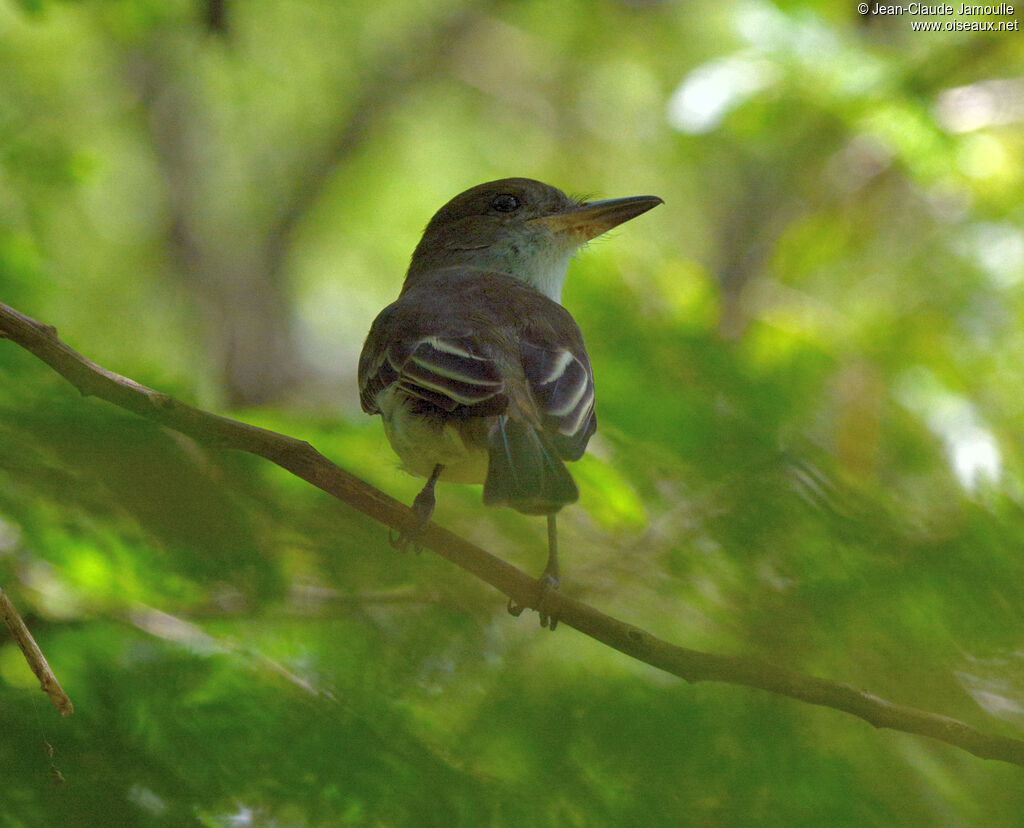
(304,461)
(34,656)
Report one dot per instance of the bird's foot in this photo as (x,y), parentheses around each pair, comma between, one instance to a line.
(548,613)
(423,508)
(547,606)
(403,540)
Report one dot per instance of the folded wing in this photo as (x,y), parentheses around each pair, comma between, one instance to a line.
(562,385)
(446,372)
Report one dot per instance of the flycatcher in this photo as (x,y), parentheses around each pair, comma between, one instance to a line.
(477,371)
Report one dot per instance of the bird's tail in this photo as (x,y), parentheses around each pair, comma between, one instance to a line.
(524,470)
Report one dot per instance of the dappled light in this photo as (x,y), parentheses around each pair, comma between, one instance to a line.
(808,462)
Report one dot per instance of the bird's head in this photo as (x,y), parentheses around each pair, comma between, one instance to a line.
(521,227)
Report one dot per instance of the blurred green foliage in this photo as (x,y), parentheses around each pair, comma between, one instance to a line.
(808,367)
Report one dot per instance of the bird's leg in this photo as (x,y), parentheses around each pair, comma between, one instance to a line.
(423,508)
(549,582)
(549,579)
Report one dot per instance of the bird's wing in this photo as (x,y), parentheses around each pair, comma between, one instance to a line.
(562,385)
(444,371)
(449,358)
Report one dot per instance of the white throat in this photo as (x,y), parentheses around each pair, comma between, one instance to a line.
(543,267)
(547,273)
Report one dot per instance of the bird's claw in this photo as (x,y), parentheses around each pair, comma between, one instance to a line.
(548,614)
(423,508)
(401,541)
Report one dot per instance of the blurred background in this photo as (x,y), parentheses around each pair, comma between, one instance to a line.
(809,391)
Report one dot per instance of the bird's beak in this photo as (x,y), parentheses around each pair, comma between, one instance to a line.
(593,218)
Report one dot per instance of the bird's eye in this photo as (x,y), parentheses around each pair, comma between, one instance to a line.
(505,203)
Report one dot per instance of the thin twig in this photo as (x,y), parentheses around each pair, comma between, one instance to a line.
(304,461)
(34,656)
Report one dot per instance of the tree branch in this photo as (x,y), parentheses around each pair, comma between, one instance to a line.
(34,656)
(304,461)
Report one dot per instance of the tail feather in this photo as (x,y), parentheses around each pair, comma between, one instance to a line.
(524,470)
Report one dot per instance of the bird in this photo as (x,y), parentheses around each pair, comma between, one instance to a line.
(477,371)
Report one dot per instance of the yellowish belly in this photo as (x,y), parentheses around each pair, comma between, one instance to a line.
(422,443)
